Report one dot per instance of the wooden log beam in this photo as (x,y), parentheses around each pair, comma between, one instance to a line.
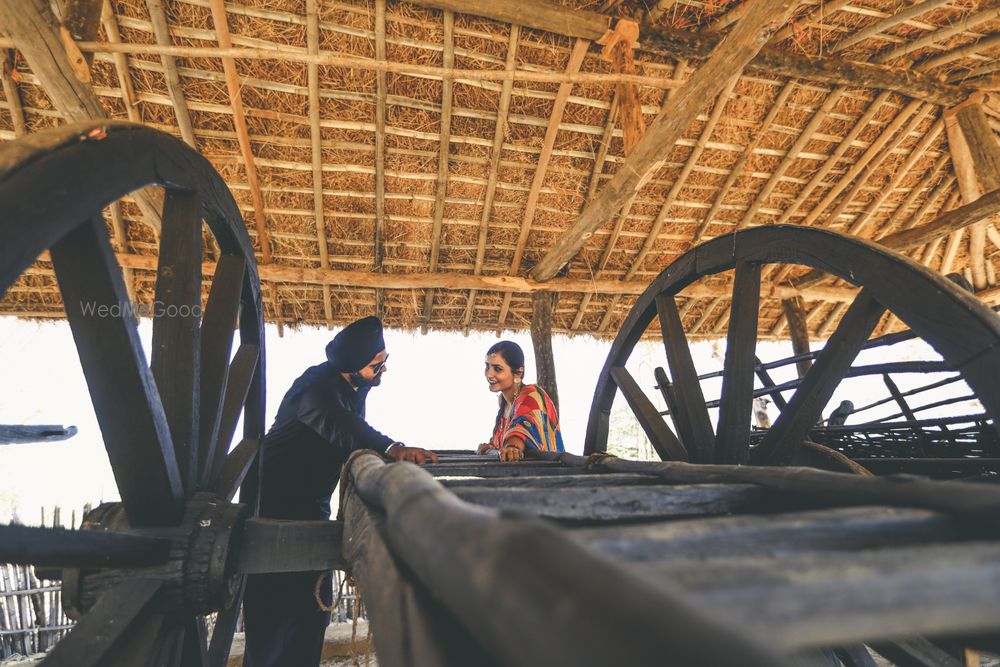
(11,94)
(381,95)
(34,30)
(491,182)
(162,33)
(831,71)
(316,144)
(891,21)
(110,24)
(444,146)
(538,14)
(548,143)
(542,306)
(798,331)
(726,62)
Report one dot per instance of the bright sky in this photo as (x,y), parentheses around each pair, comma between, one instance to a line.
(433,395)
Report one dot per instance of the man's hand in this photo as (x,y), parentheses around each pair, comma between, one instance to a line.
(513,450)
(411,454)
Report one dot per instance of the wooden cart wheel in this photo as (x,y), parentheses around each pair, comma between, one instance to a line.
(959,327)
(167,426)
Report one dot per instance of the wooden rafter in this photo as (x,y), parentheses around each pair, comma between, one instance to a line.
(737,49)
(538,14)
(822,12)
(932,176)
(180,107)
(984,44)
(942,34)
(444,151)
(548,143)
(679,182)
(738,168)
(491,182)
(110,24)
(315,138)
(12,95)
(889,22)
(381,96)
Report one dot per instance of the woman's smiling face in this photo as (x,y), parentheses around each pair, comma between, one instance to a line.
(498,373)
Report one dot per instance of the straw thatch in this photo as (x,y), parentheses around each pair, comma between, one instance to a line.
(381,158)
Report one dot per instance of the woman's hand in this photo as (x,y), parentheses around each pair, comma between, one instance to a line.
(484,448)
(513,450)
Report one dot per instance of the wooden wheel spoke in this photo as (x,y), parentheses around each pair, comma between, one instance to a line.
(240,376)
(55,547)
(732,443)
(236,466)
(691,417)
(92,640)
(817,387)
(174,359)
(218,325)
(194,647)
(225,627)
(121,385)
(662,438)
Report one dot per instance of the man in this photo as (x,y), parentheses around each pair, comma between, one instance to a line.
(320,421)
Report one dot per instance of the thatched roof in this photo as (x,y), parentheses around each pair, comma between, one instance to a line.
(426,170)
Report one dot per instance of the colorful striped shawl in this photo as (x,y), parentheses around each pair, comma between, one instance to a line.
(533,419)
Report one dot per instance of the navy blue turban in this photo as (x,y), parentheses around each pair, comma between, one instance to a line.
(356,345)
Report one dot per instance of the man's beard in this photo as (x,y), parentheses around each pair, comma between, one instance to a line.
(359,382)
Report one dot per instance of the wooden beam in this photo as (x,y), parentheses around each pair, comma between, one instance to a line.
(726,62)
(274,273)
(889,22)
(11,94)
(838,153)
(444,151)
(82,19)
(737,171)
(933,174)
(831,71)
(575,61)
(542,306)
(984,44)
(381,94)
(316,144)
(983,146)
(538,14)
(121,63)
(942,34)
(793,154)
(162,33)
(240,125)
(798,331)
(822,12)
(491,182)
(35,32)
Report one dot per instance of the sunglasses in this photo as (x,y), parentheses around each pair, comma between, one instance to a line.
(380,366)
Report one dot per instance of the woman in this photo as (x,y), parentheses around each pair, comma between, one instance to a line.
(527,418)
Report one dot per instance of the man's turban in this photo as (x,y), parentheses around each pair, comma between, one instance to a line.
(356,345)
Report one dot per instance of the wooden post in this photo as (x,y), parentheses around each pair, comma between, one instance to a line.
(798,330)
(542,305)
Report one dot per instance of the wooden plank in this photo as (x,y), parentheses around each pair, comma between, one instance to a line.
(444,153)
(543,480)
(273,545)
(734,52)
(539,14)
(236,467)
(218,325)
(116,613)
(174,358)
(732,436)
(618,503)
(491,181)
(915,652)
(122,388)
(806,405)
(576,57)
(771,535)
(666,444)
(316,144)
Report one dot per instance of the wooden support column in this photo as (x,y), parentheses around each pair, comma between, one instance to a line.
(316,141)
(548,143)
(35,31)
(726,62)
(491,182)
(542,306)
(798,331)
(444,151)
(381,93)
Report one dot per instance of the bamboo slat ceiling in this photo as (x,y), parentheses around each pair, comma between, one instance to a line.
(424,154)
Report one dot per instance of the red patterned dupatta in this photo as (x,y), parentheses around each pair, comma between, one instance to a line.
(533,419)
